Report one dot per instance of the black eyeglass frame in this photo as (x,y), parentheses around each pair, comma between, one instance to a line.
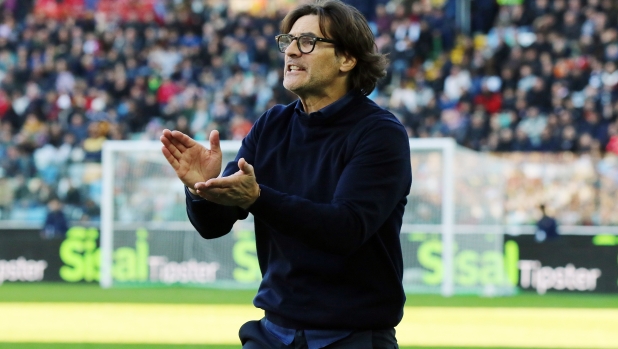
(297,38)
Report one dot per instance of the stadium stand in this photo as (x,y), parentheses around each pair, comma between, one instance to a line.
(534,77)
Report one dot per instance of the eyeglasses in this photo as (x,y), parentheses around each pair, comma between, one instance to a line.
(305,43)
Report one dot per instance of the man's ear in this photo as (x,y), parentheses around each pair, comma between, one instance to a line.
(347,63)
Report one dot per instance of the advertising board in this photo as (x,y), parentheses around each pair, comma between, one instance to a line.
(26,257)
(569,263)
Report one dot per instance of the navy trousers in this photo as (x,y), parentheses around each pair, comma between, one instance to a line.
(254,336)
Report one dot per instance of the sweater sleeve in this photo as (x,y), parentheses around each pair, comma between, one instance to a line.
(375,180)
(209,219)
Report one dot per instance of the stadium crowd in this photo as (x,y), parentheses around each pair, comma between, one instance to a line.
(533,76)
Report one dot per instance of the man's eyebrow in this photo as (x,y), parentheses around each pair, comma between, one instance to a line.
(305,33)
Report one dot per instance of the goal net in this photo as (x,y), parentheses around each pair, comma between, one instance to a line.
(451,236)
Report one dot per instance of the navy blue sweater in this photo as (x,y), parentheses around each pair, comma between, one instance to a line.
(333,189)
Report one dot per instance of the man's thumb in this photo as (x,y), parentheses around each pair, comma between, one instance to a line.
(244,166)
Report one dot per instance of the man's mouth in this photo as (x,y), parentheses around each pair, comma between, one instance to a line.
(294,68)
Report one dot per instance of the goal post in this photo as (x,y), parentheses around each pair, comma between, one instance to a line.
(447,148)
(452,233)
(452,236)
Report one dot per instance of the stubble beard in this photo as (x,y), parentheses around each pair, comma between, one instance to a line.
(295,87)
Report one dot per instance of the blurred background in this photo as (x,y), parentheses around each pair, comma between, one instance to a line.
(533,81)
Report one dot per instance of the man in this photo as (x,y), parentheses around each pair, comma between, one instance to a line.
(56,224)
(326,179)
(546,227)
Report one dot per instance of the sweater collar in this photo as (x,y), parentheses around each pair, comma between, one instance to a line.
(325,114)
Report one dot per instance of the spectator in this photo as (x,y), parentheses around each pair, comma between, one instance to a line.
(383,20)
(56,225)
(78,127)
(521,142)
(17,162)
(547,227)
(593,125)
(568,141)
(92,211)
(93,145)
(505,140)
(477,131)
(612,145)
(403,98)
(72,195)
(457,83)
(489,97)
(533,125)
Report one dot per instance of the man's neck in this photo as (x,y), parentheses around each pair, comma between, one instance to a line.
(315,103)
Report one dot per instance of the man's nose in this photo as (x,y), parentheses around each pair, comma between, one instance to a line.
(292,49)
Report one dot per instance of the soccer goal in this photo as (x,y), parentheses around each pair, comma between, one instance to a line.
(452,235)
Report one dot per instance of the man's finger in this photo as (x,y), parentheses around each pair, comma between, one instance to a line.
(222,182)
(171,147)
(179,145)
(181,138)
(215,144)
(170,158)
(214,195)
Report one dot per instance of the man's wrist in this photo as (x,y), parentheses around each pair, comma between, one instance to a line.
(193,194)
(245,207)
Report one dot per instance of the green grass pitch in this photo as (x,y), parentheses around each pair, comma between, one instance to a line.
(151,346)
(92,293)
